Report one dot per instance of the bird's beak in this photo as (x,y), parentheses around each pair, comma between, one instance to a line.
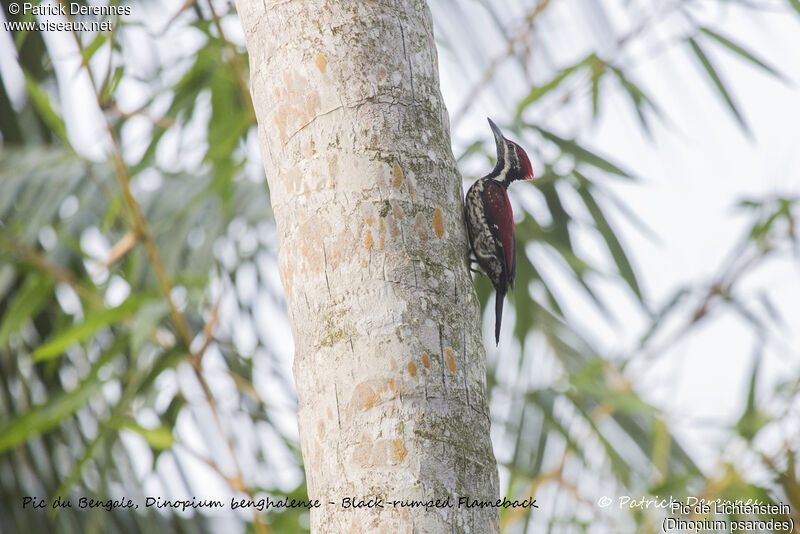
(498,134)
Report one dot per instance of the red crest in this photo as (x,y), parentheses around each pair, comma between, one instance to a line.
(524,163)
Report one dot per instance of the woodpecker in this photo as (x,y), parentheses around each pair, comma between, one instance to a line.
(490,221)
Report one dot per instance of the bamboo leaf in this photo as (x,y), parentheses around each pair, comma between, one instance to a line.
(545,399)
(558,237)
(598,70)
(796,5)
(145,321)
(719,84)
(618,464)
(595,96)
(524,314)
(538,92)
(9,121)
(53,412)
(88,52)
(583,154)
(771,309)
(474,148)
(609,236)
(661,447)
(752,419)
(559,229)
(134,383)
(738,49)
(22,33)
(111,83)
(91,323)
(159,438)
(41,101)
(638,97)
(658,319)
(40,419)
(580,269)
(26,304)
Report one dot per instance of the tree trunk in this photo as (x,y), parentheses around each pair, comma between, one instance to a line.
(389,361)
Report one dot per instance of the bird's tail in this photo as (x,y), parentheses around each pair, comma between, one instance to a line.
(498,315)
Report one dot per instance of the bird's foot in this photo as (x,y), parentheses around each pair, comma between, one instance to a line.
(470,262)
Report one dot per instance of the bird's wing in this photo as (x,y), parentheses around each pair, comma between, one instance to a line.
(501,222)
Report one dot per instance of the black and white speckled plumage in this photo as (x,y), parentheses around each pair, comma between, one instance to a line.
(483,235)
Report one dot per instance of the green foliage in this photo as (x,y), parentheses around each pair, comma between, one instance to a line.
(86,328)
(57,409)
(42,103)
(738,49)
(538,92)
(31,296)
(718,83)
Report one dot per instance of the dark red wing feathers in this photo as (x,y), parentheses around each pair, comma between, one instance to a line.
(498,211)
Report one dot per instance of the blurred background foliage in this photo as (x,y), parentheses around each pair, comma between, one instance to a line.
(143,330)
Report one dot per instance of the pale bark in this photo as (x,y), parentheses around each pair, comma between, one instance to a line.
(389,361)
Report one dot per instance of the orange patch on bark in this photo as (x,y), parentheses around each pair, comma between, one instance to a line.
(364,397)
(316,459)
(321,62)
(382,229)
(412,368)
(399,450)
(362,453)
(426,360)
(333,167)
(355,526)
(370,220)
(397,211)
(397,176)
(307,150)
(438,223)
(410,186)
(421,227)
(391,384)
(394,227)
(280,117)
(296,105)
(451,360)
(368,241)
(320,429)
(312,105)
(379,453)
(309,245)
